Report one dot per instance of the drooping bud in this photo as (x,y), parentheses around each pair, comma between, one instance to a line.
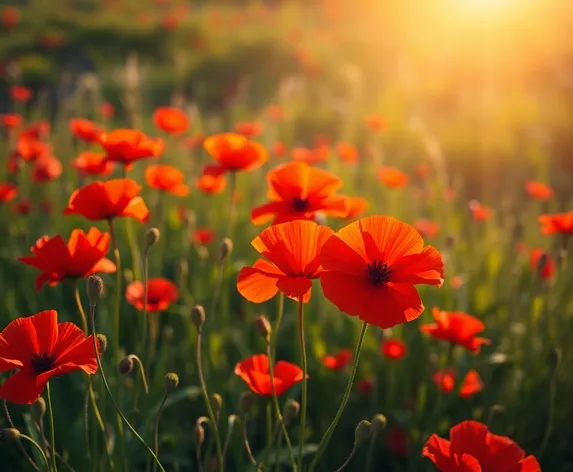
(554,358)
(9,434)
(94,288)
(171,381)
(263,327)
(102,343)
(378,424)
(246,402)
(199,434)
(291,410)
(38,410)
(225,250)
(198,316)
(362,432)
(216,403)
(126,365)
(151,237)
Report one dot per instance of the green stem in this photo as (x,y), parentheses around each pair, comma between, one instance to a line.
(247,445)
(302,344)
(145,296)
(119,412)
(275,331)
(550,415)
(100,424)
(231,210)
(87,427)
(52,428)
(370,454)
(80,307)
(347,462)
(117,290)
(40,450)
(156,428)
(269,418)
(326,438)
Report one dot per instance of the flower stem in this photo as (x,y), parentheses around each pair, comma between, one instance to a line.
(156,428)
(52,428)
(247,445)
(275,331)
(22,448)
(347,461)
(80,308)
(100,423)
(40,450)
(231,210)
(145,297)
(302,343)
(326,438)
(269,418)
(117,290)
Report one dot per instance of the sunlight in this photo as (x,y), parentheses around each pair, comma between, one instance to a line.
(486,8)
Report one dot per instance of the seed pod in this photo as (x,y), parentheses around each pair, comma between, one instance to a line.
(94,288)
(126,365)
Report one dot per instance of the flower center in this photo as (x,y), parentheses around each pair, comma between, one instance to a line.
(43,362)
(378,273)
(300,204)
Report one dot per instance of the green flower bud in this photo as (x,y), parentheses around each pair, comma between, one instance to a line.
(126,365)
(225,250)
(171,381)
(94,288)
(291,410)
(9,434)
(198,316)
(216,403)
(151,237)
(362,432)
(199,434)
(38,410)
(246,402)
(378,424)
(102,343)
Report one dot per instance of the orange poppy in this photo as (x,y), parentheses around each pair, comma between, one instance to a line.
(446,381)
(83,255)
(93,163)
(106,110)
(211,181)
(557,223)
(371,267)
(234,152)
(106,200)
(23,207)
(427,228)
(392,177)
(298,191)
(128,145)
(37,130)
(11,120)
(8,192)
(194,141)
(171,120)
(479,212)
(293,251)
(275,112)
(166,179)
(255,372)
(456,282)
(279,149)
(249,129)
(20,93)
(356,207)
(203,236)
(30,148)
(160,294)
(375,122)
(457,328)
(310,156)
(542,263)
(46,168)
(85,130)
(393,349)
(539,190)
(40,348)
(347,152)
(339,360)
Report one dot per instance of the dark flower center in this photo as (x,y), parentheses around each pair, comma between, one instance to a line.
(43,362)
(378,273)
(153,300)
(300,204)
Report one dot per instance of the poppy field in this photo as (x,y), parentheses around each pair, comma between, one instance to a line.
(266,236)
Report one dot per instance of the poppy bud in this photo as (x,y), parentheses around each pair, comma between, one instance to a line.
(378,424)
(291,410)
(263,327)
(246,402)
(9,434)
(38,409)
(554,358)
(102,342)
(362,432)
(198,316)
(216,403)
(126,365)
(225,250)
(151,237)
(199,434)
(171,381)
(94,288)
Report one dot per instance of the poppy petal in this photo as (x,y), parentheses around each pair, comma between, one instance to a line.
(264,213)
(438,451)
(344,252)
(426,267)
(69,337)
(103,266)
(137,209)
(295,287)
(529,464)
(257,285)
(21,388)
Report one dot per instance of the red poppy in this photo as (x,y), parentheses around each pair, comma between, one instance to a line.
(556,223)
(398,442)
(255,372)
(479,212)
(169,21)
(297,192)
(83,255)
(11,120)
(234,152)
(392,177)
(310,156)
(41,348)
(107,200)
(446,381)
(275,112)
(160,294)
(339,360)
(128,145)
(171,120)
(46,168)
(107,110)
(93,163)
(539,190)
(347,152)
(393,348)
(166,179)
(293,251)
(456,327)
(375,122)
(371,267)
(38,130)
(249,129)
(194,141)
(211,182)
(20,93)
(203,236)
(279,149)
(472,448)
(427,228)
(542,263)
(85,130)
(22,207)
(30,148)
(456,282)
(8,192)
(10,18)
(356,206)
(365,385)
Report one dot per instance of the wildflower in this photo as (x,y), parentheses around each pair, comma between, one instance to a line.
(422,170)
(160,294)
(556,223)
(249,129)
(375,122)
(106,110)
(166,179)
(427,228)
(542,263)
(93,163)
(347,152)
(479,212)
(30,148)
(446,381)
(356,206)
(310,156)
(46,168)
(8,192)
(539,190)
(20,93)
(41,348)
(23,207)
(126,146)
(393,349)
(11,120)
(85,130)
(279,149)
(9,18)
(211,182)
(365,385)
(339,360)
(194,141)
(234,152)
(203,236)
(171,120)
(392,177)
(371,267)
(275,112)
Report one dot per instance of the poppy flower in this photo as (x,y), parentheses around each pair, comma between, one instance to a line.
(365,385)
(279,149)
(557,223)
(194,141)
(539,190)
(11,120)
(38,130)
(107,200)
(249,129)
(93,163)
(106,110)
(129,145)
(347,152)
(160,294)
(83,255)
(46,168)
(275,112)
(85,130)
(392,177)
(8,192)
(542,263)
(203,236)
(472,448)
(456,282)
(211,181)
(356,206)
(254,371)
(20,93)
(449,194)
(422,170)
(30,148)
(310,156)
(398,442)
(171,120)
(22,207)
(339,360)
(41,348)
(427,228)
(234,152)
(166,179)
(10,18)
(293,251)
(457,328)
(371,267)
(297,192)
(393,349)
(446,381)
(375,122)
(479,212)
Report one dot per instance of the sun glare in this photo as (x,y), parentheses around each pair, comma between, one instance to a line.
(485,7)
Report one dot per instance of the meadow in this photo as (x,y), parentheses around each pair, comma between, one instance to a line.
(280,236)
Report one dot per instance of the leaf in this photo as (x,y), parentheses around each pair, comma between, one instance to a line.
(283,455)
